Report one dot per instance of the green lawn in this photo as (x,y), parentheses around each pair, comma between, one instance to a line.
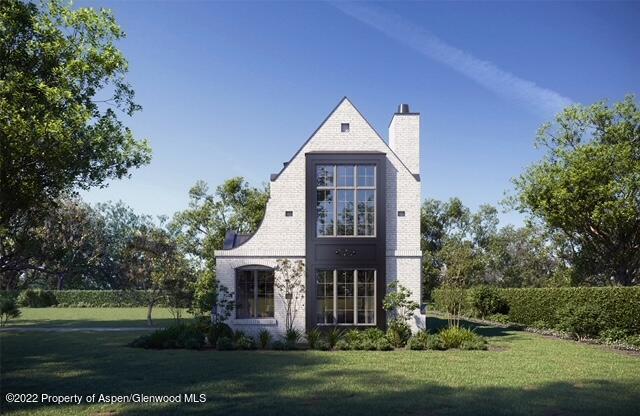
(522,374)
(86,317)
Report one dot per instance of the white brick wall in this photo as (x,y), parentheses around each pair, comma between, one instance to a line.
(284,237)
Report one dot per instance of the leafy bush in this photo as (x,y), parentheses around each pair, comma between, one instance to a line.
(224,344)
(425,341)
(383,344)
(342,344)
(217,331)
(363,339)
(244,342)
(322,345)
(106,298)
(581,321)
(455,337)
(8,309)
(292,337)
(173,337)
(498,317)
(619,306)
(334,336)
(613,335)
(37,298)
(398,333)
(633,340)
(264,337)
(313,337)
(487,300)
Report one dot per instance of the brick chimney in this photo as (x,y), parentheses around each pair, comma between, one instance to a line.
(404,137)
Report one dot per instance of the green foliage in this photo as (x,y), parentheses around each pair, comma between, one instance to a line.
(398,303)
(334,336)
(291,337)
(452,300)
(619,307)
(37,298)
(224,344)
(487,300)
(425,341)
(581,321)
(211,297)
(62,84)
(218,330)
(322,345)
(398,333)
(8,309)
(264,338)
(499,318)
(313,336)
(234,205)
(369,339)
(463,338)
(613,335)
(179,336)
(587,189)
(244,342)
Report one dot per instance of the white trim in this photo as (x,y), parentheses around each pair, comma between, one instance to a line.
(259,253)
(255,321)
(404,253)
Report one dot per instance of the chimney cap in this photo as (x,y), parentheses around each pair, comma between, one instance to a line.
(403,109)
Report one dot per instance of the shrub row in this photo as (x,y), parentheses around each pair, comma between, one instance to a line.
(615,307)
(37,298)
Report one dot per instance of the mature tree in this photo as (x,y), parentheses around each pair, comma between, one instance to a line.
(234,206)
(72,245)
(587,187)
(62,84)
(524,257)
(159,266)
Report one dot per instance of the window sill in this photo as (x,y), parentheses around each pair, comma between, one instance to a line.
(255,321)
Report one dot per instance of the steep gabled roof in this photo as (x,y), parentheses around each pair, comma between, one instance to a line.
(275,176)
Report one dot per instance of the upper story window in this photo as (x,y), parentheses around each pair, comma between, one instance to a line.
(344,127)
(346,200)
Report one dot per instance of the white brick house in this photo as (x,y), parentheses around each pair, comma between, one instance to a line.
(348,205)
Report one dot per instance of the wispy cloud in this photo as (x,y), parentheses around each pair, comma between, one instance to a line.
(502,83)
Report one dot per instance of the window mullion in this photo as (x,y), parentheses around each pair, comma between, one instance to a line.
(355,297)
(335,297)
(255,293)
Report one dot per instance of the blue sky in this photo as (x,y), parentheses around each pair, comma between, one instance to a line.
(234,89)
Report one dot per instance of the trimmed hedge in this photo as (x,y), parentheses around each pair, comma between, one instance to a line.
(100,298)
(619,306)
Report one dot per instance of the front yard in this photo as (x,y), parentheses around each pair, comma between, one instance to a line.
(522,373)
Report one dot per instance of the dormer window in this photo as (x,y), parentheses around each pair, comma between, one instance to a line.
(344,127)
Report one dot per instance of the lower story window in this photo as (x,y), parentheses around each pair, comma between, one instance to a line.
(346,297)
(254,293)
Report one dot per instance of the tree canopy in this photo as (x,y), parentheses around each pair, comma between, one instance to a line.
(62,90)
(587,188)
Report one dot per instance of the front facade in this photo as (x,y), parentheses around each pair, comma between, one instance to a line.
(348,206)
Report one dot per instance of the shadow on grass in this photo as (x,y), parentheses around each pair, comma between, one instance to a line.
(436,322)
(287,383)
(70,323)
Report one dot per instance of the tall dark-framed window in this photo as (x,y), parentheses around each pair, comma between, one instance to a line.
(346,200)
(346,297)
(254,293)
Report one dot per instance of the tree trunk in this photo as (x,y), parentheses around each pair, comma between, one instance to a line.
(60,281)
(149,310)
